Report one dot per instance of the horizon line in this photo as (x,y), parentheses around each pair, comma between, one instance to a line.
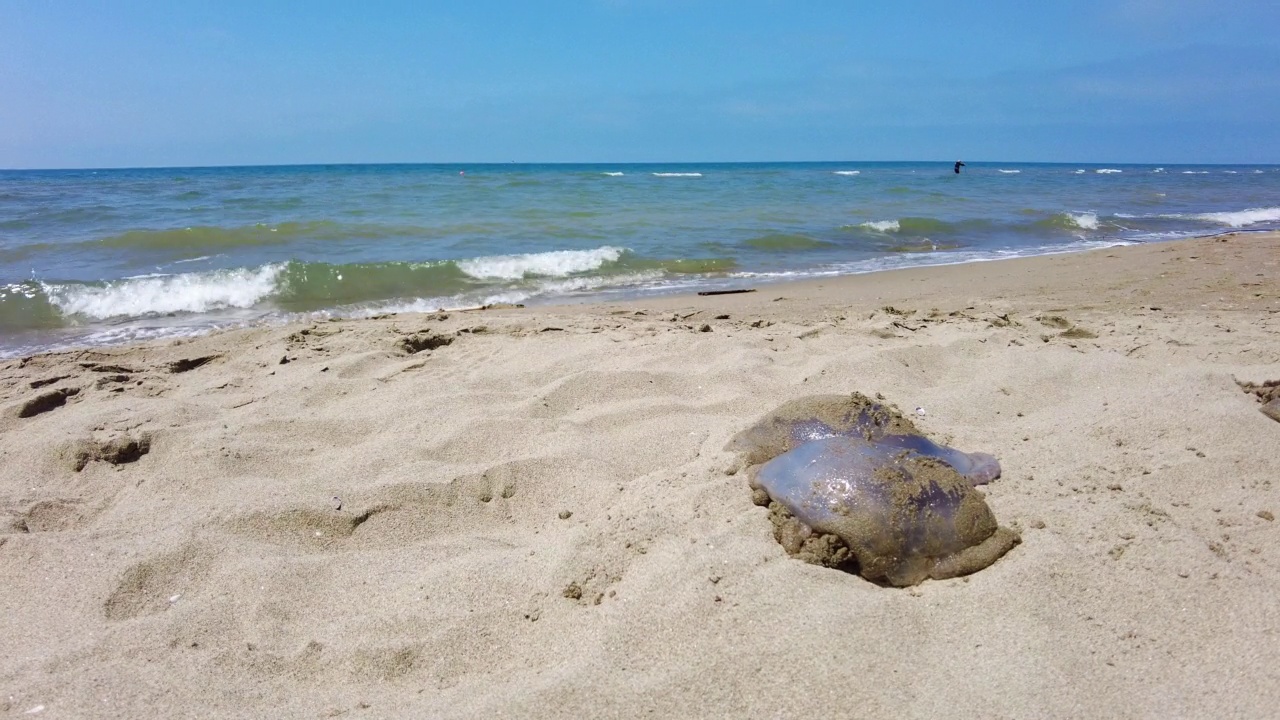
(491,163)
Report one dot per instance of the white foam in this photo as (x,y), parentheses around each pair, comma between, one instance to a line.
(948,257)
(1158,170)
(1009,172)
(671,174)
(573,285)
(558,263)
(883,226)
(545,289)
(613,174)
(1195,172)
(847,172)
(1230,172)
(1107,171)
(1084,220)
(1080,172)
(190,292)
(1240,218)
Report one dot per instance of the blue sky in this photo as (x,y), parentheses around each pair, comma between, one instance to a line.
(122,83)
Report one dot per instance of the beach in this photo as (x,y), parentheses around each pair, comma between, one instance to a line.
(531,512)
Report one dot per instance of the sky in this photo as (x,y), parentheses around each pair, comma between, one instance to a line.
(125,83)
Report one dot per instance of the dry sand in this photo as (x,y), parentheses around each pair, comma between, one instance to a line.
(539,519)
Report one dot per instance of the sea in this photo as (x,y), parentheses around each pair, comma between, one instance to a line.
(101,257)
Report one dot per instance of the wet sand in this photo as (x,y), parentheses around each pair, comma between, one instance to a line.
(532,513)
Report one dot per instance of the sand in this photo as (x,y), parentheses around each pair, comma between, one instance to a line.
(531,512)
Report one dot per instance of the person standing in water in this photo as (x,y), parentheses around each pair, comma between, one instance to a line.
(958,166)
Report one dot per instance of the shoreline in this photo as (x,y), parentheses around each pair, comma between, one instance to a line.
(568,302)
(533,512)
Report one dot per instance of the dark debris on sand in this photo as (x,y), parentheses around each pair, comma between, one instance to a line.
(1268,393)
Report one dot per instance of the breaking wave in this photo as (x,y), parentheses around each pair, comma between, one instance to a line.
(296,286)
(883,226)
(1084,221)
(1241,218)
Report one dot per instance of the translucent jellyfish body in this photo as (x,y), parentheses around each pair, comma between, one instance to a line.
(852,484)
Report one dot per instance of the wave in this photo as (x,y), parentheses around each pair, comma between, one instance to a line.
(1084,220)
(1195,172)
(847,172)
(924,226)
(1240,218)
(297,286)
(190,293)
(1009,172)
(677,174)
(1158,170)
(37,304)
(926,258)
(1068,221)
(785,242)
(461,301)
(1080,172)
(547,264)
(613,174)
(1107,171)
(883,226)
(1230,218)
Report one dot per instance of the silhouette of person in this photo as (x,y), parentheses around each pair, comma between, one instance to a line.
(958,166)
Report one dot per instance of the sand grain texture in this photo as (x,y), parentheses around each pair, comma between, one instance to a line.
(462,515)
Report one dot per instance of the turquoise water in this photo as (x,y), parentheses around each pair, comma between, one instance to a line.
(106,256)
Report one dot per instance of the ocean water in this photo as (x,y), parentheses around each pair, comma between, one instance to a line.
(106,256)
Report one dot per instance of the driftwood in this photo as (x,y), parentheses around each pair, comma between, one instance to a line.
(727,292)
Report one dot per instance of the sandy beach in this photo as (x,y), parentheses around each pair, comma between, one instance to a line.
(532,512)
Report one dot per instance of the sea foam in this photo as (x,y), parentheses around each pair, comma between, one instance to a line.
(1240,218)
(1107,171)
(547,288)
(188,292)
(847,172)
(557,263)
(1084,220)
(883,226)
(676,174)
